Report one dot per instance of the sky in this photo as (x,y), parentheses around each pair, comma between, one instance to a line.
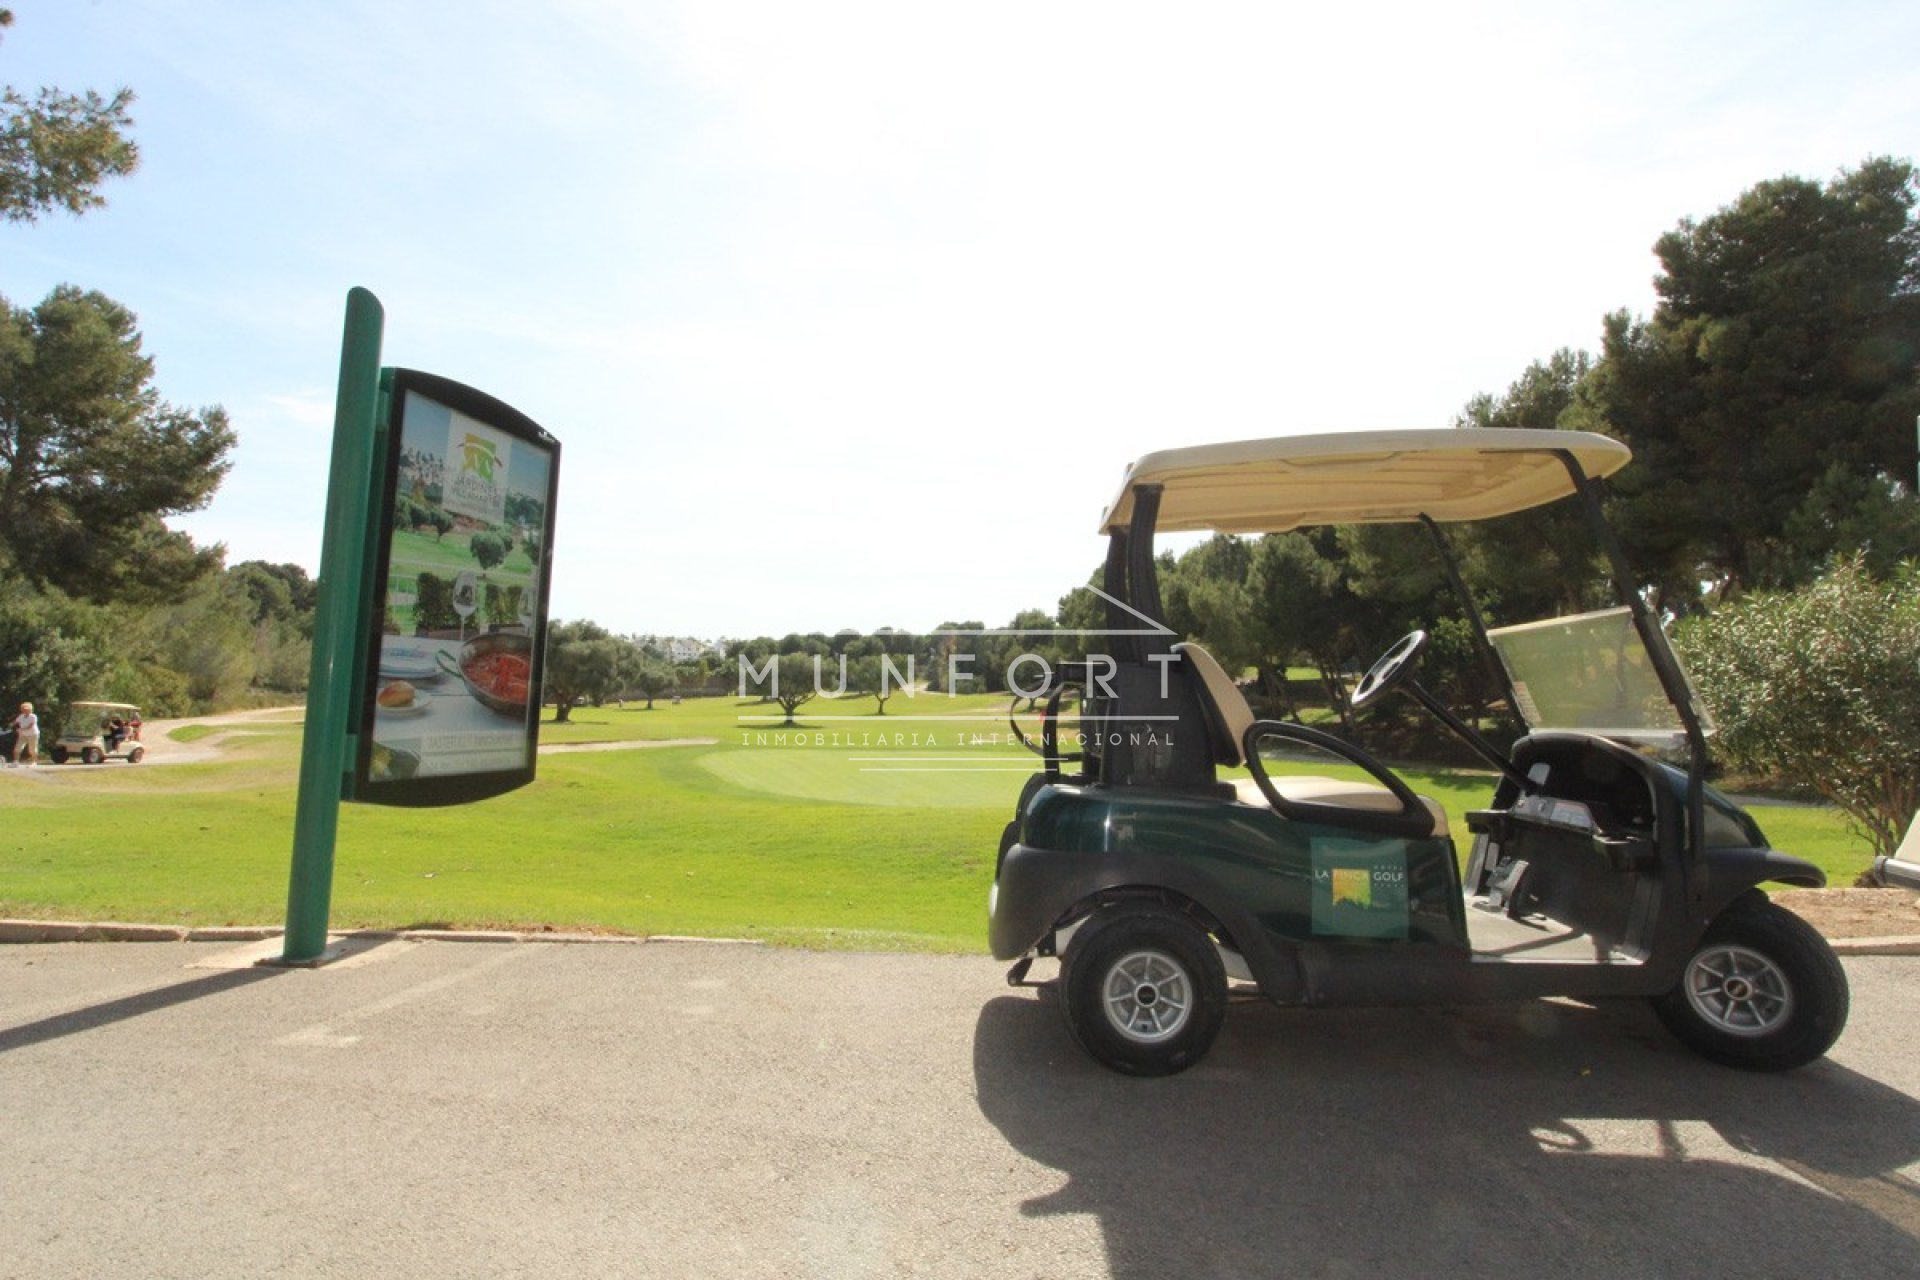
(851,315)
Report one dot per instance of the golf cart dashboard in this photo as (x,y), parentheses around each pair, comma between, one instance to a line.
(1588,811)
(1582,783)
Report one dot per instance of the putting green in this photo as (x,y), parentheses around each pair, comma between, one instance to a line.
(949,771)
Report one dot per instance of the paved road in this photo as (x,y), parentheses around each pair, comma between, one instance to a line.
(689,1110)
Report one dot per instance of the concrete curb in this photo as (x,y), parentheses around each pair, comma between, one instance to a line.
(1902,945)
(27,931)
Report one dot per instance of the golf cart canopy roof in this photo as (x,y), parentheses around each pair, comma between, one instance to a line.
(102,706)
(1362,477)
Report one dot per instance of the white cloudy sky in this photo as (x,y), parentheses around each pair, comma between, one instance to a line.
(849,315)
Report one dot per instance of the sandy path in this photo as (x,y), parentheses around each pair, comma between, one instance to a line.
(162,749)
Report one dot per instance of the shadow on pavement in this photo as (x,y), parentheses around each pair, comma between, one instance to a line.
(102,1015)
(1512,1140)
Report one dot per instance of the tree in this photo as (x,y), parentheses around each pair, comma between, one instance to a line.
(488,547)
(280,605)
(1785,344)
(1300,602)
(57,148)
(52,650)
(1535,563)
(1821,686)
(786,679)
(583,662)
(91,459)
(1203,595)
(651,679)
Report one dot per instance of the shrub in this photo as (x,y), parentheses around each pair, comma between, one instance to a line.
(1821,687)
(433,604)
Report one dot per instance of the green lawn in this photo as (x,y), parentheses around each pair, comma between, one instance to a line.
(449,554)
(882,839)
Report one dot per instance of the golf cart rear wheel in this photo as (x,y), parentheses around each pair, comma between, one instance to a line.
(59,755)
(93,755)
(1763,991)
(1143,990)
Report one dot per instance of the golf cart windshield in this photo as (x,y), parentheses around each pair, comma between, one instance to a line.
(1589,672)
(86,719)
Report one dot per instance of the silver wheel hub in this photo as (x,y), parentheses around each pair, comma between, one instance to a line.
(1147,996)
(1738,990)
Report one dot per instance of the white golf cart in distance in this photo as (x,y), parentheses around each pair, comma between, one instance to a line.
(1598,869)
(95,732)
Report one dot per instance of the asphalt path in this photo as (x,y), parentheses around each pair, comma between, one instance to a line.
(472,1109)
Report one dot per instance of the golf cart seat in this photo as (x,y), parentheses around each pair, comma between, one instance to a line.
(1233,717)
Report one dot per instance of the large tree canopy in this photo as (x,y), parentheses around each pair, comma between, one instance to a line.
(57,148)
(1776,377)
(91,458)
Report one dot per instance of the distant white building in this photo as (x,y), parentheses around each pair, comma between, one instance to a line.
(688,649)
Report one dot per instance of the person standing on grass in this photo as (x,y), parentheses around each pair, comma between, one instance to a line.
(26,735)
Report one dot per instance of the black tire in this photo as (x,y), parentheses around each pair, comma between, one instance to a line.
(1143,990)
(59,755)
(92,755)
(136,755)
(1763,991)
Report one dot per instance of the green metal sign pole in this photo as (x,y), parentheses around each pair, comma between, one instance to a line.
(336,642)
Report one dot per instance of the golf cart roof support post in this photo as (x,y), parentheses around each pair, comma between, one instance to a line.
(1114,583)
(1143,583)
(1488,658)
(1665,666)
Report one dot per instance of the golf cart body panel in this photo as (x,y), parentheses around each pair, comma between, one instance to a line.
(1597,870)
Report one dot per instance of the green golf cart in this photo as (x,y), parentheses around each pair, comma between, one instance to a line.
(1175,846)
(95,732)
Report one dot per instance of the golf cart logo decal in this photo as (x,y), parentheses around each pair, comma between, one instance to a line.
(1353,885)
(1359,889)
(478,460)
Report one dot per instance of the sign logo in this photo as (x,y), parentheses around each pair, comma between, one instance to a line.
(478,460)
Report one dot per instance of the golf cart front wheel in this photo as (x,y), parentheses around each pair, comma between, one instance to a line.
(1143,990)
(1763,991)
(136,755)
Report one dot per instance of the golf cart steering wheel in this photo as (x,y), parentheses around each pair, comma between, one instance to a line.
(1395,665)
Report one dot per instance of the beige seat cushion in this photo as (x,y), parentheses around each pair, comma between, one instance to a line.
(1311,789)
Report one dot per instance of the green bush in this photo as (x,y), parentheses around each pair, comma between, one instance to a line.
(1821,687)
(503,605)
(433,604)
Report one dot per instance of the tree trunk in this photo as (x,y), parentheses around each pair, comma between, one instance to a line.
(1337,696)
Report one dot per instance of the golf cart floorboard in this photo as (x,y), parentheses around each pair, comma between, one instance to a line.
(1498,938)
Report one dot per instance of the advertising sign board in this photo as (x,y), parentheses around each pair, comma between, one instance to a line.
(449,705)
